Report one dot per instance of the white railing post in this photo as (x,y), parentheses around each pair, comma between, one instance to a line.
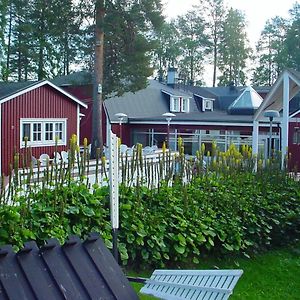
(114,189)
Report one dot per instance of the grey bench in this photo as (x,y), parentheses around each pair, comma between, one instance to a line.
(192,284)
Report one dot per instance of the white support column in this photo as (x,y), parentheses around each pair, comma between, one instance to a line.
(176,140)
(285,119)
(255,134)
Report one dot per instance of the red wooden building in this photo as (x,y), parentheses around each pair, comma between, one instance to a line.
(40,111)
(202,115)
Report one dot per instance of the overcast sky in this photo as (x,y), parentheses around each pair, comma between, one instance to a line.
(257,11)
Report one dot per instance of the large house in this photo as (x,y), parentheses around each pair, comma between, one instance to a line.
(224,115)
(40,113)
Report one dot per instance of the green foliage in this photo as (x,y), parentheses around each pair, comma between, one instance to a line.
(43,214)
(271,52)
(218,207)
(213,214)
(234,49)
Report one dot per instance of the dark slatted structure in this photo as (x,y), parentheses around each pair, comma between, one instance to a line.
(76,271)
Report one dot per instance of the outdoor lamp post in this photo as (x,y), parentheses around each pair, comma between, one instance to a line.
(271,114)
(121,117)
(168,117)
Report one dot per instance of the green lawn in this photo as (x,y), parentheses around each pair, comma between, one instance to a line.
(271,276)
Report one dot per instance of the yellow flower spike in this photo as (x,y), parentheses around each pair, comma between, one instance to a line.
(119,142)
(74,138)
(203,148)
(164,147)
(103,160)
(77,149)
(249,154)
(208,153)
(214,146)
(180,142)
(85,142)
(214,164)
(182,150)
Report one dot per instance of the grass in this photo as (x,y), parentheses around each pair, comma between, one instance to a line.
(271,276)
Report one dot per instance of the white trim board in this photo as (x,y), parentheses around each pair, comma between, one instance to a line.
(40,84)
(195,123)
(44,143)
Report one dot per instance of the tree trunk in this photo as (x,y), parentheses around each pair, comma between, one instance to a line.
(98,79)
(8,43)
(215,57)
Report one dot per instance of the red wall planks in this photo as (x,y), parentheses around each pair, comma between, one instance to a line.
(42,102)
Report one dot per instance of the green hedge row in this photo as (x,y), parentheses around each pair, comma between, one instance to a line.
(224,214)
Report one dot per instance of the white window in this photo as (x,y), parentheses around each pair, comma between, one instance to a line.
(175,104)
(179,104)
(208,104)
(296,136)
(43,132)
(185,104)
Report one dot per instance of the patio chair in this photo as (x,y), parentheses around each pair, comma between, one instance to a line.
(44,159)
(155,148)
(123,149)
(34,162)
(57,158)
(64,156)
(148,150)
(192,284)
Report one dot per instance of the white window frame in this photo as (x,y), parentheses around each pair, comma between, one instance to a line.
(185,105)
(175,104)
(208,104)
(43,141)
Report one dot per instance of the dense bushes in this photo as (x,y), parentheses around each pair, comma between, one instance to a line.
(220,214)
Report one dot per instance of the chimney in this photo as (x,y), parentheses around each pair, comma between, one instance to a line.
(172,77)
(231,86)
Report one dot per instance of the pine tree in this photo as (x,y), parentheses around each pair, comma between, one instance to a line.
(234,50)
(292,41)
(193,44)
(214,12)
(271,52)
(167,48)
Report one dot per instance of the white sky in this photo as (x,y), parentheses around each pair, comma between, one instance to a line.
(257,12)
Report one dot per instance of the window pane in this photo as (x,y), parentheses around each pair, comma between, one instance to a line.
(37,131)
(26,132)
(59,130)
(184,101)
(49,131)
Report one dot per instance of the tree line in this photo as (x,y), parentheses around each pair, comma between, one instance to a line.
(48,38)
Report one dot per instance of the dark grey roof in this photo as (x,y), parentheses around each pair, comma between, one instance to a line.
(74,271)
(76,78)
(150,102)
(10,88)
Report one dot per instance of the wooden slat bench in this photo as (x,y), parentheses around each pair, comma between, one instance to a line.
(192,284)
